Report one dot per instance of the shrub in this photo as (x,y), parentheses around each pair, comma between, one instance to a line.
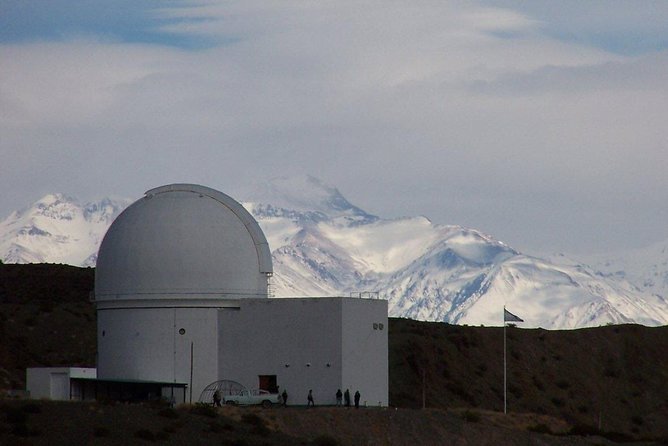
(540,428)
(563,384)
(471,417)
(162,436)
(515,390)
(16,416)
(169,413)
(261,431)
(252,419)
(481,369)
(584,430)
(46,306)
(558,402)
(618,437)
(538,383)
(204,410)
(325,440)
(22,430)
(610,372)
(172,427)
(145,434)
(32,408)
(101,431)
(220,427)
(458,390)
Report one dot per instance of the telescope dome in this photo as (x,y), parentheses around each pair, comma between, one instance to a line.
(182,242)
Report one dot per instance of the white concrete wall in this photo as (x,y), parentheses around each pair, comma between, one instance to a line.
(201,329)
(38,381)
(146,344)
(136,344)
(264,335)
(83,372)
(365,352)
(327,343)
(54,382)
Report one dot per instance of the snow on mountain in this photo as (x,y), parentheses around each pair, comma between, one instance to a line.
(57,229)
(307,198)
(454,274)
(323,246)
(646,267)
(435,272)
(566,296)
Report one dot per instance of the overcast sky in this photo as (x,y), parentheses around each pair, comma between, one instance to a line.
(542,123)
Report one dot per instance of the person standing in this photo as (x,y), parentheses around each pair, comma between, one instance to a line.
(310,399)
(216,398)
(284,395)
(346,397)
(357,399)
(339,395)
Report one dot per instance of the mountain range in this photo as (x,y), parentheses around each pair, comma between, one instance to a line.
(322,245)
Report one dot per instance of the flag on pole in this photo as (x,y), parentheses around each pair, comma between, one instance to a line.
(507,317)
(510,317)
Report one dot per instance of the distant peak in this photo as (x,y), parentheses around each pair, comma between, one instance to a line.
(304,193)
(55,198)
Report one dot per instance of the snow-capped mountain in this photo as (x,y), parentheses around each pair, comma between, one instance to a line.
(306,198)
(58,229)
(322,246)
(646,267)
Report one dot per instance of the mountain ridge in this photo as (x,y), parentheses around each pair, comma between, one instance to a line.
(322,245)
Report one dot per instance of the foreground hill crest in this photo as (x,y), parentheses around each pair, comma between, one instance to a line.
(322,245)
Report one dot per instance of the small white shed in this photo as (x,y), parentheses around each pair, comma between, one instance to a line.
(56,383)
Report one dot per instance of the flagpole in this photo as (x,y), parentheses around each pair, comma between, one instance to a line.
(507,316)
(504,361)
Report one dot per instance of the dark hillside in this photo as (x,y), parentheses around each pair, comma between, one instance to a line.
(616,376)
(46,319)
(45,283)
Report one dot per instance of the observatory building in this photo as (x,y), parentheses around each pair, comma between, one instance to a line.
(181,292)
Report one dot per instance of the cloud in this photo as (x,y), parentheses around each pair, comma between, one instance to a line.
(471,114)
(626,27)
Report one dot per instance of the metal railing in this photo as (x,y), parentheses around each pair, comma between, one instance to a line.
(365,294)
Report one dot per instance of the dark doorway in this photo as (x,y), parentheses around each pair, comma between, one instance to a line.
(268,383)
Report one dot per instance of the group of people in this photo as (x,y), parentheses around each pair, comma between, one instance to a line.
(340,398)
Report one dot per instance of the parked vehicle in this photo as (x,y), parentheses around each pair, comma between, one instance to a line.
(248,397)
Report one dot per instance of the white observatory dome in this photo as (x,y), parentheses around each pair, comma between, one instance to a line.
(182,242)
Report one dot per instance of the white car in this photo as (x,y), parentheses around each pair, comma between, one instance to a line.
(252,397)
